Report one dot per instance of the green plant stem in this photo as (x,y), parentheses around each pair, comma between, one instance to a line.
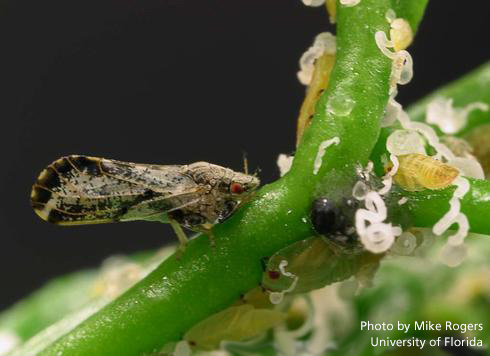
(43,307)
(187,288)
(62,296)
(427,207)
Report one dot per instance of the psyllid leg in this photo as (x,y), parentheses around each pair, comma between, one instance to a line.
(180,234)
(208,230)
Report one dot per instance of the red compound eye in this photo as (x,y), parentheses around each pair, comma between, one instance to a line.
(236,188)
(274,274)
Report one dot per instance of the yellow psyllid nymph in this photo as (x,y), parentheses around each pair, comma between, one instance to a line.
(418,172)
(236,323)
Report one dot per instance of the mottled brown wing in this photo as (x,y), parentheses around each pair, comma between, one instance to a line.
(77,190)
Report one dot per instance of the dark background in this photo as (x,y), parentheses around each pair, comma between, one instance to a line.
(168,81)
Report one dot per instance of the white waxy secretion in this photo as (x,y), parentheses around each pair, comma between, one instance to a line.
(402,142)
(313,3)
(383,44)
(404,244)
(277,297)
(402,69)
(402,201)
(449,119)
(284,162)
(390,15)
(324,43)
(360,190)
(376,235)
(469,167)
(350,3)
(182,349)
(321,152)
(453,255)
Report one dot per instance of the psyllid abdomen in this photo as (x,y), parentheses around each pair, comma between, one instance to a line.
(418,172)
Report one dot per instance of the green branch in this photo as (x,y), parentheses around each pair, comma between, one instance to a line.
(427,207)
(204,280)
(181,292)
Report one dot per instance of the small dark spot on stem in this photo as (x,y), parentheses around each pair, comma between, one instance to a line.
(274,274)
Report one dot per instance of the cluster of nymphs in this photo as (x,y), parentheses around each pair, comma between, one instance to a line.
(408,164)
(407,149)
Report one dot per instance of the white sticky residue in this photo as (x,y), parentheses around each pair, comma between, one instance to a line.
(327,42)
(313,3)
(375,203)
(401,70)
(284,162)
(340,104)
(454,216)
(390,15)
(448,219)
(402,201)
(469,167)
(402,63)
(383,44)
(396,165)
(282,267)
(463,229)
(403,142)
(453,255)
(392,111)
(360,190)
(8,341)
(449,119)
(182,349)
(379,237)
(277,297)
(324,43)
(428,132)
(388,177)
(349,3)
(321,152)
(387,184)
(404,244)
(376,235)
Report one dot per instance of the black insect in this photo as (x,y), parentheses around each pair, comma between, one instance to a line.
(335,220)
